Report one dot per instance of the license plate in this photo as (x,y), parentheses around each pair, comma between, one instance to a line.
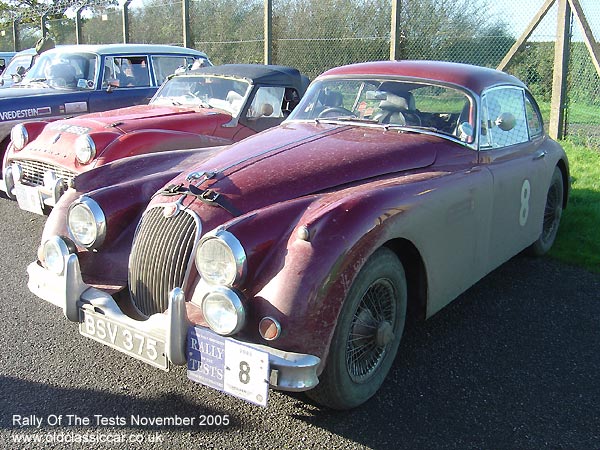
(227,365)
(28,198)
(132,342)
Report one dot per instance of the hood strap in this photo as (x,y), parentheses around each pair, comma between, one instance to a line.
(207,196)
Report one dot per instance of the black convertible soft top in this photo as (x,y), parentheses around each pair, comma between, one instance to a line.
(260,74)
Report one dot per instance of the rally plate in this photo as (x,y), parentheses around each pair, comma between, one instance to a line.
(228,365)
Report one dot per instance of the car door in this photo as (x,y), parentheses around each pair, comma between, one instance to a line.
(513,154)
(124,80)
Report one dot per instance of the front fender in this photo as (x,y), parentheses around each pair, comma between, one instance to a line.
(152,141)
(302,281)
(33,128)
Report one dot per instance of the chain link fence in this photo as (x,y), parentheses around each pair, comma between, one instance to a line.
(229,31)
(315,35)
(583,99)
(102,26)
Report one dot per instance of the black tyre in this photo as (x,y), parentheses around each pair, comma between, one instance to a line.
(552,215)
(367,335)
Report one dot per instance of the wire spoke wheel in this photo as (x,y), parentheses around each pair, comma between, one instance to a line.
(371,330)
(367,334)
(552,212)
(552,215)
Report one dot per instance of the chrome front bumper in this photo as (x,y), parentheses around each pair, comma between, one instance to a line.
(288,371)
(32,198)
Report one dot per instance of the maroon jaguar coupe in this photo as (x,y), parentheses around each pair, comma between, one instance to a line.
(291,259)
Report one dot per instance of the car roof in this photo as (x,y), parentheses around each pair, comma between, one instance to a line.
(474,78)
(27,51)
(260,74)
(110,49)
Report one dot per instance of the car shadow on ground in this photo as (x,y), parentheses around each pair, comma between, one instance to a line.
(512,363)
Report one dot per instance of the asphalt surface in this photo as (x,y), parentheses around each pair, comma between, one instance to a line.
(512,363)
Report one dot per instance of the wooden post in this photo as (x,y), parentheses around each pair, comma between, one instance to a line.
(43,24)
(268,31)
(561,65)
(395,33)
(588,35)
(78,29)
(15,33)
(525,35)
(187,34)
(126,21)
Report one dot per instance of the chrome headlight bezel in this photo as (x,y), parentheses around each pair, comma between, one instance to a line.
(231,268)
(19,136)
(94,231)
(53,253)
(16,172)
(85,149)
(224,311)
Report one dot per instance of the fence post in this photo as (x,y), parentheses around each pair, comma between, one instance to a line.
(78,29)
(395,33)
(561,65)
(126,21)
(15,33)
(187,32)
(268,31)
(43,24)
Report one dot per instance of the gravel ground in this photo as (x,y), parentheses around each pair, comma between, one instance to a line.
(512,363)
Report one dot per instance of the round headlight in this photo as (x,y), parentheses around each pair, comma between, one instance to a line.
(85,149)
(19,136)
(87,223)
(221,259)
(223,311)
(53,254)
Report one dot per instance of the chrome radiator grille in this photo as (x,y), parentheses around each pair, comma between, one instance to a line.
(160,257)
(33,172)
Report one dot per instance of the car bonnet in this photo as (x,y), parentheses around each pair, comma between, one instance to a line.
(298,159)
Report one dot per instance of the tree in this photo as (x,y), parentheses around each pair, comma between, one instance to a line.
(60,24)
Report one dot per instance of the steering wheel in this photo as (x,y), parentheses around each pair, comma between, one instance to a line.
(328,112)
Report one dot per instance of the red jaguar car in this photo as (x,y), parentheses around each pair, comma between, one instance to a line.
(291,259)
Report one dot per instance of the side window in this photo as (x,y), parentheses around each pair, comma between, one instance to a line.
(267,102)
(291,98)
(534,120)
(126,71)
(503,119)
(110,75)
(166,65)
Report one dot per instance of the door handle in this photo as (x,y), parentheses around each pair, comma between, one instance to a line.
(540,154)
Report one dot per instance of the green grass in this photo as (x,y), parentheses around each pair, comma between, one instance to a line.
(578,240)
(577,113)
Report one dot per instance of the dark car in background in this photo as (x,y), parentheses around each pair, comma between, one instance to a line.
(18,66)
(5,58)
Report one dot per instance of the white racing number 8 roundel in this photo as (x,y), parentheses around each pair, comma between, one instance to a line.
(525,194)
